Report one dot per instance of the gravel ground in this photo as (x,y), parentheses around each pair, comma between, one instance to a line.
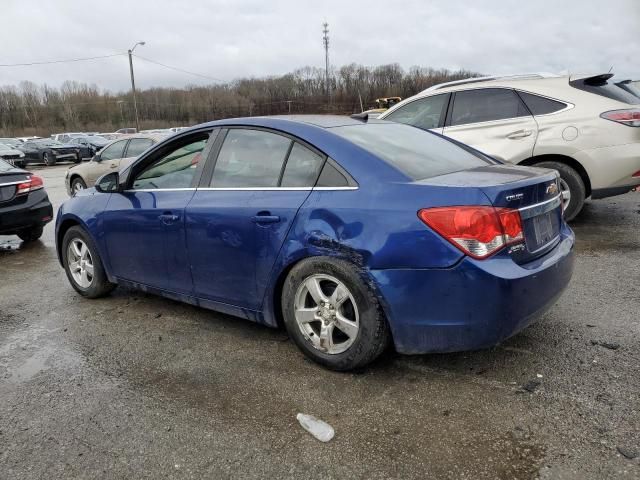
(136,386)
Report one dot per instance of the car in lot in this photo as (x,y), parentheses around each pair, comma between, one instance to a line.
(11,155)
(89,145)
(112,157)
(11,142)
(352,233)
(67,137)
(49,151)
(24,204)
(583,126)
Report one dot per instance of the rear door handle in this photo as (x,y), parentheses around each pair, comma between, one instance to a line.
(519,134)
(168,218)
(265,218)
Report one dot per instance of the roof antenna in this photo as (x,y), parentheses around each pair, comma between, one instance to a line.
(361,116)
(610,69)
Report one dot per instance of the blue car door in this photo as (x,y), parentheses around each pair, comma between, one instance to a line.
(239,217)
(143,226)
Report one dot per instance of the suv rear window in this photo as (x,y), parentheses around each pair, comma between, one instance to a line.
(540,105)
(417,153)
(605,88)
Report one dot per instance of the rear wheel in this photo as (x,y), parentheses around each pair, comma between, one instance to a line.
(48,159)
(83,265)
(30,234)
(333,315)
(571,187)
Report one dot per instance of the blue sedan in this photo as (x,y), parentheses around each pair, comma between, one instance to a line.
(353,234)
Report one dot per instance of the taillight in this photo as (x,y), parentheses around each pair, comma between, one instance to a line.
(34,182)
(637,174)
(629,117)
(479,231)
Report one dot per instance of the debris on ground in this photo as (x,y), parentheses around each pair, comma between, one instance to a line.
(316,427)
(608,345)
(628,453)
(531,386)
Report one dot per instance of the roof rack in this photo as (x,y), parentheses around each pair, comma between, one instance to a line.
(518,76)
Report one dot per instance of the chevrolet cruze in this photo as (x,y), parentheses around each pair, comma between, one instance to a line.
(351,233)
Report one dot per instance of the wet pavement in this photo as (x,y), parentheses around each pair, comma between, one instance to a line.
(136,386)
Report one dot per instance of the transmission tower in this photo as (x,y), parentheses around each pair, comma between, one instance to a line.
(325,41)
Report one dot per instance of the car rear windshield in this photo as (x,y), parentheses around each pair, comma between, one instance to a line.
(417,153)
(605,88)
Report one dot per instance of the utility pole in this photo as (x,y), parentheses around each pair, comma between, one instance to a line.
(289,104)
(325,41)
(133,83)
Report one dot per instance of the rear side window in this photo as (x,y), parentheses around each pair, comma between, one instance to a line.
(250,158)
(485,105)
(137,146)
(331,177)
(423,113)
(302,167)
(540,105)
(417,153)
(605,88)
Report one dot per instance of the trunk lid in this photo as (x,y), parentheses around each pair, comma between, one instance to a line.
(533,191)
(9,180)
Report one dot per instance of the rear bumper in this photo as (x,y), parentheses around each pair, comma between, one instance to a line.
(475,304)
(610,169)
(35,212)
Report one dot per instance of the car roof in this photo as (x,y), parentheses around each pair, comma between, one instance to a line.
(280,121)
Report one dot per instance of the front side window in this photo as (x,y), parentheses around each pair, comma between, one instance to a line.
(250,158)
(302,167)
(175,169)
(113,151)
(424,113)
(137,146)
(485,105)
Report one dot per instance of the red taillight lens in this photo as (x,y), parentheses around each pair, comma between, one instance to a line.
(33,183)
(637,174)
(479,231)
(630,117)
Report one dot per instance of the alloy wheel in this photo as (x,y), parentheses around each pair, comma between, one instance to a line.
(77,186)
(566,194)
(326,313)
(80,262)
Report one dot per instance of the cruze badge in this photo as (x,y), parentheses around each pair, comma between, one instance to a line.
(552,189)
(514,196)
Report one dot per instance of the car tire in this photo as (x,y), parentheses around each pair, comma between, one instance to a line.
(77,184)
(30,234)
(88,282)
(571,182)
(48,159)
(359,310)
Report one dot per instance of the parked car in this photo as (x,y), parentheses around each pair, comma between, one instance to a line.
(11,142)
(24,205)
(49,151)
(28,139)
(126,131)
(353,233)
(11,155)
(585,127)
(113,156)
(89,145)
(67,137)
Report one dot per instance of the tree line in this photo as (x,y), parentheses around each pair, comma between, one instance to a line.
(32,109)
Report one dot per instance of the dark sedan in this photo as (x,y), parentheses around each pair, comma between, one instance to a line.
(89,145)
(47,151)
(24,205)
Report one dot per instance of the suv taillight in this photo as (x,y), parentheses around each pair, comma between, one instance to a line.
(33,183)
(479,231)
(629,117)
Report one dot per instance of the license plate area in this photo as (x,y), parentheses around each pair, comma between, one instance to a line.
(542,230)
(7,192)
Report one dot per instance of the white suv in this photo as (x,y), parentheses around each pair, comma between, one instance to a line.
(586,127)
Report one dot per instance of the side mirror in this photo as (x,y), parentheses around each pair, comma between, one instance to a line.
(96,157)
(108,183)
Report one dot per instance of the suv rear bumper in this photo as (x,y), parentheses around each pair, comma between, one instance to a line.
(475,304)
(610,169)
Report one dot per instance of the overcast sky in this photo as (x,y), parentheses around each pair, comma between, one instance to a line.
(228,39)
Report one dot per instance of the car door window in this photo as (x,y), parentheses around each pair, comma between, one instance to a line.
(137,146)
(302,168)
(175,169)
(540,105)
(486,104)
(424,113)
(250,158)
(113,151)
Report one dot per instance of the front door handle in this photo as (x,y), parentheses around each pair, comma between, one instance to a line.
(519,134)
(168,218)
(265,218)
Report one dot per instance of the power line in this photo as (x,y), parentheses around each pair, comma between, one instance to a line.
(180,69)
(59,61)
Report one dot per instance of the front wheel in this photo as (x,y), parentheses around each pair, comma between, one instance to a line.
(83,265)
(571,187)
(77,184)
(333,315)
